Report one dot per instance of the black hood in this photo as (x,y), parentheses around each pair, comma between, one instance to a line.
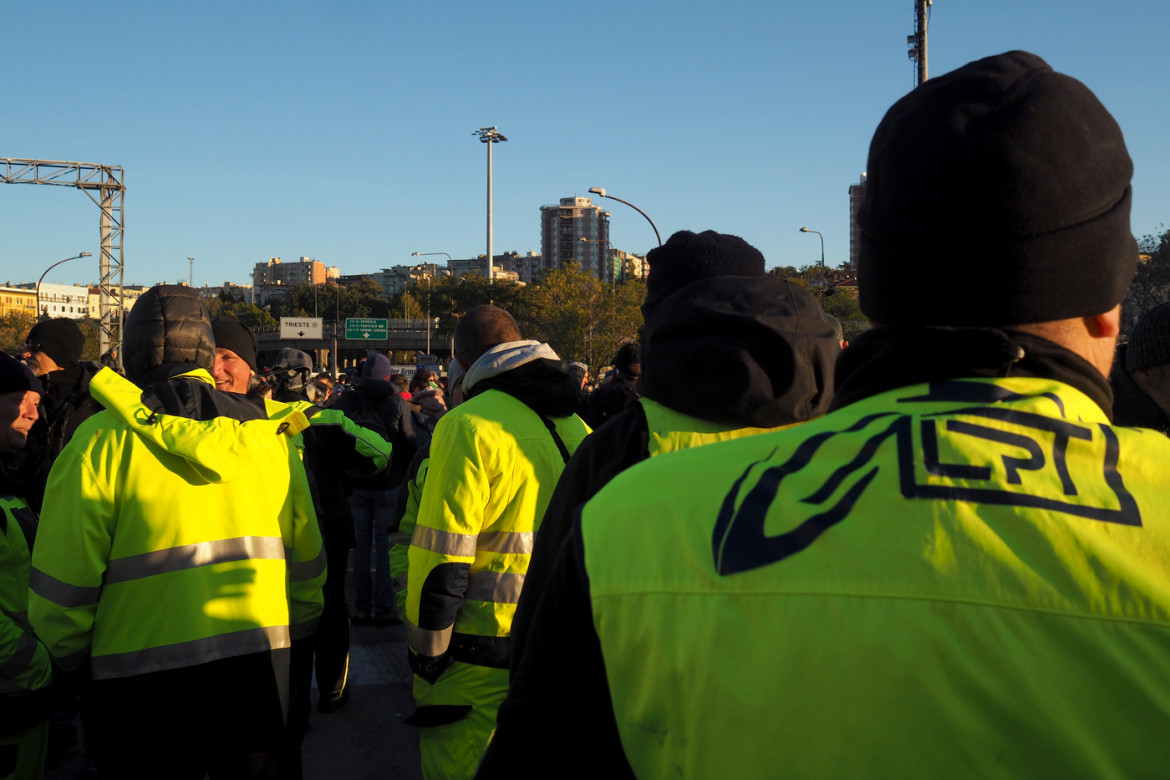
(374,391)
(745,351)
(543,385)
(168,324)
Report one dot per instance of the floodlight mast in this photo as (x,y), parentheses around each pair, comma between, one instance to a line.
(489,135)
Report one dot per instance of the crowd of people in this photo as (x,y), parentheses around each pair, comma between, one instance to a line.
(749,551)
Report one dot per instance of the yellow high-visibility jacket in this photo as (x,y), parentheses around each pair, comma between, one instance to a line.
(493,468)
(968,578)
(167,542)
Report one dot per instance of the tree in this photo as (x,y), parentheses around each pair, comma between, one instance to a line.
(1151,283)
(451,297)
(582,318)
(249,314)
(13,329)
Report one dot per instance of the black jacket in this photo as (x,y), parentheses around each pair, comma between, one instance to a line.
(742,351)
(1131,406)
(65,404)
(404,436)
(564,661)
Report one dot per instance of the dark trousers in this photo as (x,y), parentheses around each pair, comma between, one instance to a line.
(223,718)
(331,644)
(328,652)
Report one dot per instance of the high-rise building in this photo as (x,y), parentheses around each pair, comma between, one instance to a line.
(856,195)
(562,229)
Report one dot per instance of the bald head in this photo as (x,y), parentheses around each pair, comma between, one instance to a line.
(480,329)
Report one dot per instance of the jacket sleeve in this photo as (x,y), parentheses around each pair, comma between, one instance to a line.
(24,661)
(560,679)
(363,449)
(409,498)
(443,544)
(306,554)
(402,430)
(69,557)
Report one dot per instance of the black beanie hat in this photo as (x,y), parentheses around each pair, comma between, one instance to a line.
(15,376)
(627,361)
(60,339)
(997,194)
(234,335)
(1149,344)
(687,257)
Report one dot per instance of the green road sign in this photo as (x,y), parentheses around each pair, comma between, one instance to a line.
(365,329)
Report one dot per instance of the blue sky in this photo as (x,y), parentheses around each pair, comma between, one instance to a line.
(343,130)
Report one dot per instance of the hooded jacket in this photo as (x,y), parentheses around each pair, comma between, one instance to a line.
(722,358)
(494,461)
(185,504)
(965,557)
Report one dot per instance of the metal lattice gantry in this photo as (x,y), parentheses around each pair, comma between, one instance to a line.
(104,186)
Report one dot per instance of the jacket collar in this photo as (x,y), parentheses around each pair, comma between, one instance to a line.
(889,357)
(506,357)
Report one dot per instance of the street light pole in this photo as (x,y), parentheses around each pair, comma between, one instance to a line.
(822,237)
(336,317)
(489,135)
(601,191)
(50,268)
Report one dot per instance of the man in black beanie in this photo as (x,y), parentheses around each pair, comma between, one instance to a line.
(52,350)
(961,569)
(235,355)
(615,394)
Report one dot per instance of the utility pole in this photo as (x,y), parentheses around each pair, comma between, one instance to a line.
(917,41)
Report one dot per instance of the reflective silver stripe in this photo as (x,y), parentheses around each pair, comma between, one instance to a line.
(430,643)
(398,584)
(61,593)
(519,543)
(494,586)
(444,542)
(197,651)
(191,556)
(398,538)
(26,650)
(307,570)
